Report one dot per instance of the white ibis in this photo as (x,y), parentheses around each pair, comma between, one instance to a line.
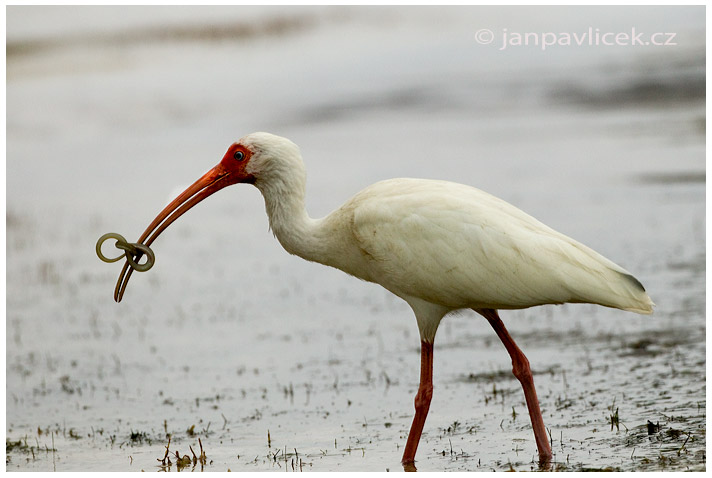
(438,245)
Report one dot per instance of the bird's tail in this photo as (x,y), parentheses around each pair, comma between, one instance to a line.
(601,281)
(632,295)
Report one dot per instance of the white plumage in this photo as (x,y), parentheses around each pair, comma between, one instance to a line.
(459,247)
(444,243)
(441,246)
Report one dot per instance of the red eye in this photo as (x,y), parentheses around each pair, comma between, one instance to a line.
(239,155)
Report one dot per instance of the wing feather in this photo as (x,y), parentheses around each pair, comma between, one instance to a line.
(457,246)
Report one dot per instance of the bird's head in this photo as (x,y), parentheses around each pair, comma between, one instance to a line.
(261,159)
(256,158)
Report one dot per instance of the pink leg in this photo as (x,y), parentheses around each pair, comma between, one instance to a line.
(422,402)
(521,370)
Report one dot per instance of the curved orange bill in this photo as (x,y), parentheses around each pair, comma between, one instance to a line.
(212,181)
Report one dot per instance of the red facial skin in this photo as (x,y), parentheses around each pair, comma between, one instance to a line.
(230,170)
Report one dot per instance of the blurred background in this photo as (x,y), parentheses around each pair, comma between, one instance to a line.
(111,111)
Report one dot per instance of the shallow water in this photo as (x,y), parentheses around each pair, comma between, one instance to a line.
(278,364)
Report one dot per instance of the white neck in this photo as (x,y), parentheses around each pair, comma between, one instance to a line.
(298,233)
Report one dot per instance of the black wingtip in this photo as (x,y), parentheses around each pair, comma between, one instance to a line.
(634,281)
